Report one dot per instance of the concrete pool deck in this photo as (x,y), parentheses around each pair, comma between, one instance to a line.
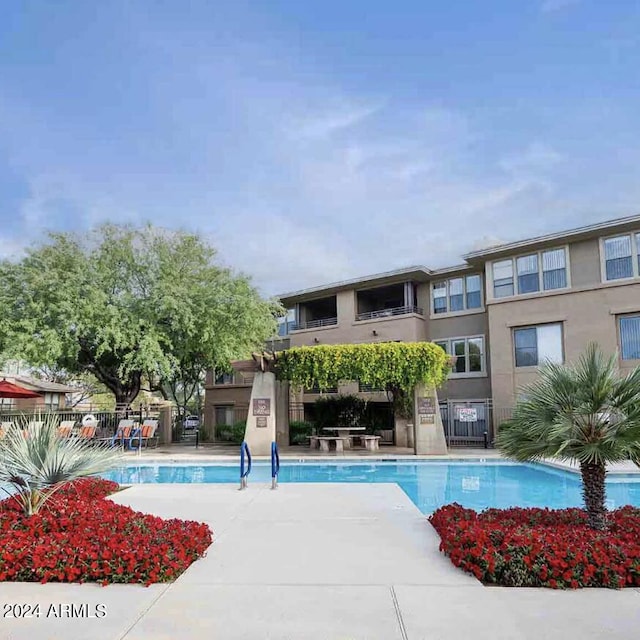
(315,561)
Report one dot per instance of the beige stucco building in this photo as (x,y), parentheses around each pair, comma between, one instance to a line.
(503,312)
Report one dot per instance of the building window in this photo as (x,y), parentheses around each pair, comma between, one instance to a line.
(224,378)
(536,345)
(503,278)
(51,401)
(619,261)
(630,337)
(469,354)
(287,323)
(542,271)
(224,414)
(457,294)
(528,276)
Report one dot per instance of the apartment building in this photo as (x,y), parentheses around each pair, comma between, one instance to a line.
(503,312)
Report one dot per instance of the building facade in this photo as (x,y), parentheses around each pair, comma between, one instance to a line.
(503,312)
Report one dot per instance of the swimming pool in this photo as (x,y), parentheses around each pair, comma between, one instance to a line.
(429,484)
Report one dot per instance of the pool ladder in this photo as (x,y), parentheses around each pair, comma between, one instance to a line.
(245,465)
(245,469)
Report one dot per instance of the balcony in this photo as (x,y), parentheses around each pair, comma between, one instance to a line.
(398,299)
(393,311)
(314,324)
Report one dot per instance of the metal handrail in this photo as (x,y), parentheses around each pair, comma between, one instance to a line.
(384,313)
(244,472)
(275,465)
(314,324)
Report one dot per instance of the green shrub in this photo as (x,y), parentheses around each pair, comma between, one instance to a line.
(299,431)
(231,432)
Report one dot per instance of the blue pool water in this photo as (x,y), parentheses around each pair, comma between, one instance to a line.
(429,484)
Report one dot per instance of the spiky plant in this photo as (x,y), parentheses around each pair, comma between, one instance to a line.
(586,413)
(37,464)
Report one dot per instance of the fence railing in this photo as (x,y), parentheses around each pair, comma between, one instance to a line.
(394,311)
(314,324)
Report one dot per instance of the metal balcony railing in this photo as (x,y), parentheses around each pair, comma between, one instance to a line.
(314,324)
(384,313)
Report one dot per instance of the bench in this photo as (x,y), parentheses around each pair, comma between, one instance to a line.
(371,443)
(326,440)
(314,443)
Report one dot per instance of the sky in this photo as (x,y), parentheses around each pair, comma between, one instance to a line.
(312,142)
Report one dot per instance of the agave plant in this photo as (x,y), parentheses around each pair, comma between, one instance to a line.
(587,413)
(35,461)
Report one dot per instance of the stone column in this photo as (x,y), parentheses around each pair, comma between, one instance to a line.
(429,430)
(164,425)
(282,413)
(260,431)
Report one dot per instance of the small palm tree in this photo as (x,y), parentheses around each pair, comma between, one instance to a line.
(36,465)
(586,413)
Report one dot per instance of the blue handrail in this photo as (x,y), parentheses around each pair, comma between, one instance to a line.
(244,472)
(275,465)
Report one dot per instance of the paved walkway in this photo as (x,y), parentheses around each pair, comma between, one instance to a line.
(315,561)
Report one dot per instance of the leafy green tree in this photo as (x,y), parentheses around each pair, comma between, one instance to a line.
(127,305)
(586,413)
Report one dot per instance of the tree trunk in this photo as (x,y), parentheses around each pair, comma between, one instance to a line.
(593,491)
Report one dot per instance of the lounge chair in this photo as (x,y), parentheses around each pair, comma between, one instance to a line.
(123,433)
(145,433)
(65,428)
(88,432)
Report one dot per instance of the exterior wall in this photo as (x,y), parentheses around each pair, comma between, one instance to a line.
(587,316)
(584,263)
(237,395)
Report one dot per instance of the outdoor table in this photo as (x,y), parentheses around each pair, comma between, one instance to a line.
(344,433)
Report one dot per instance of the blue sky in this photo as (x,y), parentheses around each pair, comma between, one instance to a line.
(316,141)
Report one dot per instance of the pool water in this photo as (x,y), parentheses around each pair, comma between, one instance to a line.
(429,484)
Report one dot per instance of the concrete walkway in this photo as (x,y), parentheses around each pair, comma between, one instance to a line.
(315,561)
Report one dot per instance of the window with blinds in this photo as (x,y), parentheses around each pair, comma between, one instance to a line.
(630,337)
(535,345)
(457,294)
(469,352)
(541,271)
(621,257)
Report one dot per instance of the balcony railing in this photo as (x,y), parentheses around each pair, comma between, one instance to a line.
(384,313)
(314,324)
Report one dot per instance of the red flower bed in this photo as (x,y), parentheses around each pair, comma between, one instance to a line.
(79,536)
(542,547)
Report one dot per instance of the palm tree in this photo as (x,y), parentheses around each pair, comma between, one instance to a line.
(586,413)
(37,465)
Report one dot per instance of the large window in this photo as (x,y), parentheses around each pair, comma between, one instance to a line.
(469,354)
(457,294)
(535,345)
(224,414)
(621,256)
(541,271)
(630,337)
(51,401)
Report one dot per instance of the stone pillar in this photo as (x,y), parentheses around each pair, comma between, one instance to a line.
(260,431)
(282,413)
(165,424)
(402,439)
(428,429)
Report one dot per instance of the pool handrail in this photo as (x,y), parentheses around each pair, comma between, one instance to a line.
(244,472)
(275,465)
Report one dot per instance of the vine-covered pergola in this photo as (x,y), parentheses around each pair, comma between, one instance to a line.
(397,367)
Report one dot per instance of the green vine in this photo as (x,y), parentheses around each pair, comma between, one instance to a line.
(395,366)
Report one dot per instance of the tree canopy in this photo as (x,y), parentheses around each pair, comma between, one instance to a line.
(388,365)
(126,304)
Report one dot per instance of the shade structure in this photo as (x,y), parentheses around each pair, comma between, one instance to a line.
(11,390)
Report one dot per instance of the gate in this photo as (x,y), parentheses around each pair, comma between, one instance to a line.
(467,423)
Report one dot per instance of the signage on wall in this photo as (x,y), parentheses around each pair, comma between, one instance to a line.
(261,421)
(425,406)
(261,406)
(467,414)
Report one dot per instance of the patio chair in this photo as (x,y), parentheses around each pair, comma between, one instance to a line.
(87,432)
(145,434)
(4,428)
(65,428)
(123,433)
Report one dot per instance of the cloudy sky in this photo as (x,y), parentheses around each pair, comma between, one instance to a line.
(316,141)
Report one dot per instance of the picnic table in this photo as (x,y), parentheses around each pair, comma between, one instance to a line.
(344,434)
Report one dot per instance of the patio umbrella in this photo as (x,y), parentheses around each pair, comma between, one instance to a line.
(10,390)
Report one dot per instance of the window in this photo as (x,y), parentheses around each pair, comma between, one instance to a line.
(457,294)
(224,414)
(630,337)
(503,278)
(535,345)
(52,401)
(618,257)
(542,271)
(287,323)
(469,354)
(224,378)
